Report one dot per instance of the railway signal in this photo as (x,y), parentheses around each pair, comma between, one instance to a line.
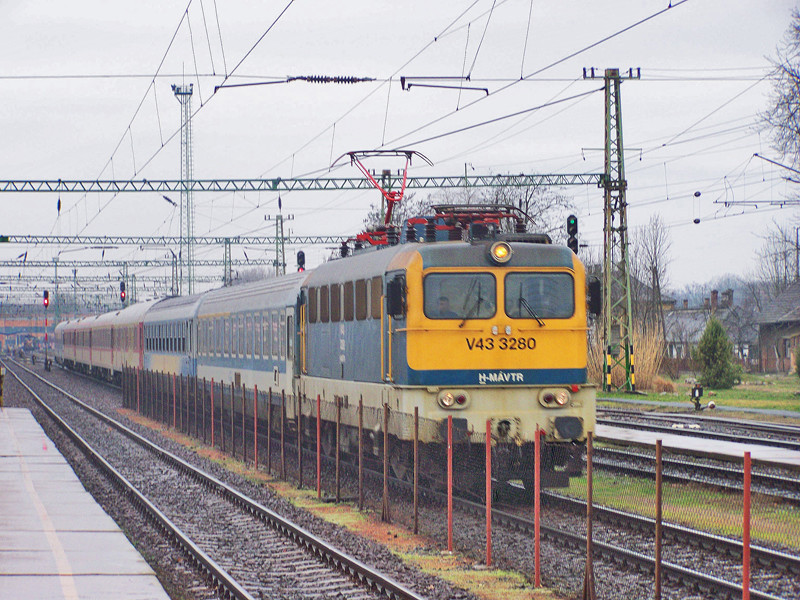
(301,261)
(122,293)
(572,233)
(46,298)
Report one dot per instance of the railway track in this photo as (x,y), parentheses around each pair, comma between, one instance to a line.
(785,436)
(245,549)
(636,464)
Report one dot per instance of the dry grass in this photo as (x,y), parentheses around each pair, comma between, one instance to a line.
(661,385)
(648,347)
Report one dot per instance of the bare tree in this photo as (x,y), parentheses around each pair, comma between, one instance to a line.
(778,258)
(783,116)
(650,259)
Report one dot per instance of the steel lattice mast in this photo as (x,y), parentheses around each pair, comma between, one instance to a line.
(617,308)
(186,254)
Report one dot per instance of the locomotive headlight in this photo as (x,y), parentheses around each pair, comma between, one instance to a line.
(447,399)
(554,397)
(500,253)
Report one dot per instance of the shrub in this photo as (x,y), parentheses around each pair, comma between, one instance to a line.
(663,385)
(714,354)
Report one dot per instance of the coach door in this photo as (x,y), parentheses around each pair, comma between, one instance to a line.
(288,340)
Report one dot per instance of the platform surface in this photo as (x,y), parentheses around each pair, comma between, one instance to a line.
(55,540)
(687,443)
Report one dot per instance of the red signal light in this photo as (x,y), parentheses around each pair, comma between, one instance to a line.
(46,298)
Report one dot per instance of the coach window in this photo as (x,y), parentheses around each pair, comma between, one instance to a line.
(336,302)
(283,335)
(459,295)
(248,331)
(312,305)
(324,304)
(348,300)
(275,335)
(242,336)
(290,337)
(265,335)
(259,352)
(375,294)
(539,295)
(361,299)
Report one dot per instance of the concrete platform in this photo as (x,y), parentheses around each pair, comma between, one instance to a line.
(688,444)
(55,540)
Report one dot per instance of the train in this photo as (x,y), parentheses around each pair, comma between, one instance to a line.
(456,314)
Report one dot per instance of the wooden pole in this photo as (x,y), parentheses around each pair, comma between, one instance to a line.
(269,431)
(283,434)
(386,515)
(244,424)
(233,421)
(537,507)
(299,423)
(338,433)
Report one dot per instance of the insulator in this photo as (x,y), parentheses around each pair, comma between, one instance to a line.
(344,250)
(411,233)
(519,226)
(454,234)
(392,236)
(430,230)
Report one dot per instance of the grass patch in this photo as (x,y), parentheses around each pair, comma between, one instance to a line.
(772,522)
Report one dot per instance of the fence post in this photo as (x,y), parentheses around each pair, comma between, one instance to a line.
(659,499)
(212,412)
(283,434)
(174,395)
(319,451)
(203,404)
(588,581)
(746,530)
(244,425)
(269,432)
(386,516)
(338,432)
(138,392)
(537,507)
(360,453)
(222,414)
(488,492)
(449,483)
(416,470)
(194,402)
(233,420)
(255,426)
(299,423)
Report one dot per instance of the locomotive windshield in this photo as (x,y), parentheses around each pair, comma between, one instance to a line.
(539,295)
(460,295)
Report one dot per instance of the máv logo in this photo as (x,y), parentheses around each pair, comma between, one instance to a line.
(500,377)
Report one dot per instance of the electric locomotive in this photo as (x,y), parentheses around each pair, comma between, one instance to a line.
(449,316)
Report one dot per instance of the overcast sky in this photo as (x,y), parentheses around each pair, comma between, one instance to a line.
(85,90)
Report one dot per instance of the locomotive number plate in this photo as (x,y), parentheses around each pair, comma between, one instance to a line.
(501,343)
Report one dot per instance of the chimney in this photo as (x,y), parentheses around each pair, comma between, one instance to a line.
(727,298)
(685,303)
(706,303)
(714,300)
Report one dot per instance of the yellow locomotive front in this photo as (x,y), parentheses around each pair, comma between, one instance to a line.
(494,330)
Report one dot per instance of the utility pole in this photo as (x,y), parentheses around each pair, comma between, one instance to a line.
(280,239)
(184,96)
(617,309)
(227,276)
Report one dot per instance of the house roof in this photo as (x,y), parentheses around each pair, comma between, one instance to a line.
(784,307)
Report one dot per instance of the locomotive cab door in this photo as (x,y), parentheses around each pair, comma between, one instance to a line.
(289,339)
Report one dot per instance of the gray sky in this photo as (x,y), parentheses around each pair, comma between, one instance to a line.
(80,101)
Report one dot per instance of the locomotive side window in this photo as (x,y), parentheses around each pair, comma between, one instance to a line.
(336,302)
(539,295)
(459,295)
(348,301)
(324,304)
(375,293)
(361,299)
(312,305)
